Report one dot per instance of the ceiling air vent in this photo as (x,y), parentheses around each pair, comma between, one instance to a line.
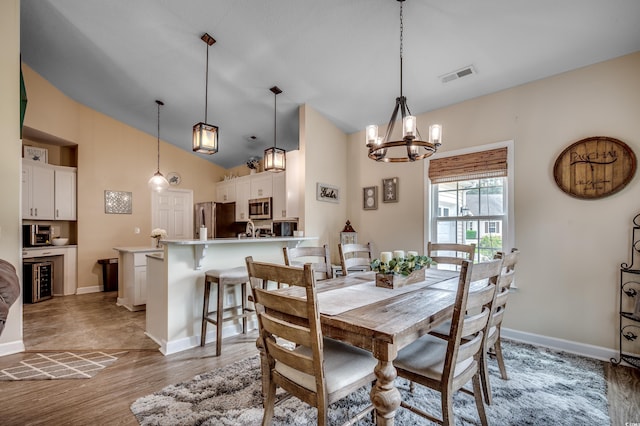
(463,72)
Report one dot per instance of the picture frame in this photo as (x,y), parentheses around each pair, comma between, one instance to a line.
(35,153)
(370,198)
(327,193)
(390,190)
(118,202)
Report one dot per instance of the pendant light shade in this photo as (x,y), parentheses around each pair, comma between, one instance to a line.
(158,182)
(387,150)
(205,136)
(275,159)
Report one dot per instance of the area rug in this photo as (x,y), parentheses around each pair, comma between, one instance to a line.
(61,365)
(545,387)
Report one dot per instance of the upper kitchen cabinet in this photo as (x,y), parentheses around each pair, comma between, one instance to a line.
(37,191)
(261,185)
(48,192)
(65,193)
(226,191)
(243,192)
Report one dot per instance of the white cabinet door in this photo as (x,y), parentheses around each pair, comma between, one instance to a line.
(140,287)
(226,191)
(65,193)
(261,185)
(37,191)
(279,196)
(243,193)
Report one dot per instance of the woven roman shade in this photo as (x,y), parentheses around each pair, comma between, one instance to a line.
(477,165)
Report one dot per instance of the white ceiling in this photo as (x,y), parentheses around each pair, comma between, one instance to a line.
(341,57)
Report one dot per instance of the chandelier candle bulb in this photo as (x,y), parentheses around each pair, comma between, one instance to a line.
(398,254)
(372,135)
(385,256)
(409,127)
(435,134)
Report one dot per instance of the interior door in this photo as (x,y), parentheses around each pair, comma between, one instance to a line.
(172,210)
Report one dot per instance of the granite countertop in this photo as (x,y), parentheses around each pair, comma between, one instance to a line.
(139,249)
(237,240)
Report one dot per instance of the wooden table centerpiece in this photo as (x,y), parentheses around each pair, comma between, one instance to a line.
(400,271)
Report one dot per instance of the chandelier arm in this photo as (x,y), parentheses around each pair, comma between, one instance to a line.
(392,122)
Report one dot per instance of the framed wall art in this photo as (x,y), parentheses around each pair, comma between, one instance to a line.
(370,198)
(390,190)
(328,193)
(35,153)
(117,202)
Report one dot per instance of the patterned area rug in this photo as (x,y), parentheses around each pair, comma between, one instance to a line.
(62,365)
(545,387)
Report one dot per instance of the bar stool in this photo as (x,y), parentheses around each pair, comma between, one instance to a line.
(223,278)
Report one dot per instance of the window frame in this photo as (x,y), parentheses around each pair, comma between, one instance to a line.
(430,211)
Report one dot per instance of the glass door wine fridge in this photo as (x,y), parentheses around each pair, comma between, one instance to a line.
(38,281)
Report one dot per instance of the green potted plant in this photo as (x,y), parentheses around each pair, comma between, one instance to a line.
(400,271)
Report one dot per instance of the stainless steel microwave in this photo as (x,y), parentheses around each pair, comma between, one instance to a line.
(260,208)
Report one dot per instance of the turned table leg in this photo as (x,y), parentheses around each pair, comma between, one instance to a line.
(384,394)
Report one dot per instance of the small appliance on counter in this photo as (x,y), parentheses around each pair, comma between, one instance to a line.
(284,229)
(36,235)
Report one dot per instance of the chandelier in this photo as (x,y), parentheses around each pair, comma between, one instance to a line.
(158,182)
(275,159)
(205,136)
(383,149)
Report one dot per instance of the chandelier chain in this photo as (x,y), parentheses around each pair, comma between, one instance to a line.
(401,44)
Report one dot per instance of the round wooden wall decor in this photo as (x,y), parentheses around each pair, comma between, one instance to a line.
(594,167)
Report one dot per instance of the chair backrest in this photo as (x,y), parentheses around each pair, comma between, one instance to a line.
(451,253)
(293,319)
(509,261)
(354,255)
(319,257)
(476,292)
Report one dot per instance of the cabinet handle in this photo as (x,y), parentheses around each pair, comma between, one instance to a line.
(36,211)
(57,213)
(31,211)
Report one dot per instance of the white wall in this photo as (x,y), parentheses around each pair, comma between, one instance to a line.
(571,248)
(10,160)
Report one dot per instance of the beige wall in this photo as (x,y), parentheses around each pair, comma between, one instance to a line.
(111,156)
(571,249)
(10,165)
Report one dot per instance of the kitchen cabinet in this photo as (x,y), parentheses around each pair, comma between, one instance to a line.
(37,191)
(226,191)
(64,259)
(261,185)
(243,193)
(132,276)
(65,193)
(279,196)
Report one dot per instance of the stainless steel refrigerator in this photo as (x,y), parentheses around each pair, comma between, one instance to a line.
(218,218)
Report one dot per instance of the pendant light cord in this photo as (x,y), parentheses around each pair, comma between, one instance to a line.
(275,121)
(206,85)
(158,137)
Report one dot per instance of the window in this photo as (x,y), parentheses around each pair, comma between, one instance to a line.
(475,191)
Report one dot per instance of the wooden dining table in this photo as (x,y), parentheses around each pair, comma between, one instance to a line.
(383,321)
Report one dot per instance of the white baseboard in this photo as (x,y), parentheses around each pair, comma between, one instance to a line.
(11,348)
(589,351)
(85,290)
(179,345)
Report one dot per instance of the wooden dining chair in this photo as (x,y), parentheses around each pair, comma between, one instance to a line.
(319,257)
(317,370)
(492,343)
(451,253)
(354,256)
(447,364)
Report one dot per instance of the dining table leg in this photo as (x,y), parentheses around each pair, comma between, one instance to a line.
(385,397)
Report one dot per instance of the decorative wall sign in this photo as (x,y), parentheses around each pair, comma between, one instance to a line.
(390,190)
(594,167)
(328,193)
(117,202)
(35,153)
(174,178)
(370,198)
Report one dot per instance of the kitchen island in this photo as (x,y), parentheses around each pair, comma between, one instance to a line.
(175,284)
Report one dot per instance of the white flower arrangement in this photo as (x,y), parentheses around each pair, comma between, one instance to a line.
(159,233)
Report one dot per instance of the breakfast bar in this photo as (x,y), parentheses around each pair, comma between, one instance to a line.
(175,283)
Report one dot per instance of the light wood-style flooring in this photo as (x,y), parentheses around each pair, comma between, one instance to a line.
(92,321)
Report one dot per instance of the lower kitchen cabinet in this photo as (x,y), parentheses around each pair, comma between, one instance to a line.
(132,276)
(64,258)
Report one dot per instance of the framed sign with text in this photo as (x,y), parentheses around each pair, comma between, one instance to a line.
(594,167)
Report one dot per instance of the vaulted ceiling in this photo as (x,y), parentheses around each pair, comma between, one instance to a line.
(341,57)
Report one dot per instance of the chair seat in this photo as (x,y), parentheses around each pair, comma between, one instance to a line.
(343,365)
(232,275)
(426,357)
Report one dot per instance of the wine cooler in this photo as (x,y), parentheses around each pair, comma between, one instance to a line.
(38,281)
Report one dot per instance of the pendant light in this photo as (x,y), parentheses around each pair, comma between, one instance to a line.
(379,147)
(205,136)
(158,182)
(275,159)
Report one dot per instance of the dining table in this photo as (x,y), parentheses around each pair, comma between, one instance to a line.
(382,321)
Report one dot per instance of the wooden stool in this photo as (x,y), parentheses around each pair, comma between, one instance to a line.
(223,278)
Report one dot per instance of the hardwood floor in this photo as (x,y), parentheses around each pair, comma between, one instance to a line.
(92,321)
